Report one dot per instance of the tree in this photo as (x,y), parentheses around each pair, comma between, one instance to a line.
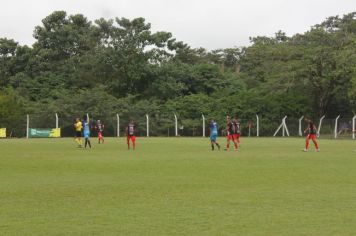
(8,49)
(11,112)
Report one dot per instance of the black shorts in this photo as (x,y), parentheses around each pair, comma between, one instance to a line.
(78,134)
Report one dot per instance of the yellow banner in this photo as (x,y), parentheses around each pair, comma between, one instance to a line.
(55,133)
(2,132)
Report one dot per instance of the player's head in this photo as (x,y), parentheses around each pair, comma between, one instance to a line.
(77,119)
(228,118)
(131,120)
(212,120)
(98,121)
(309,121)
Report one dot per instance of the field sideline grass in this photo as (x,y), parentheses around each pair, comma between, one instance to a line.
(177,186)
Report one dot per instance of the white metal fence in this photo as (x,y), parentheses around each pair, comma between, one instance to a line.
(173,125)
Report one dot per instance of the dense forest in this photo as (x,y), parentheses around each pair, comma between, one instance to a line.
(112,66)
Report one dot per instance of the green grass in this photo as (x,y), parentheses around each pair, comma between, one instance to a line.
(177,186)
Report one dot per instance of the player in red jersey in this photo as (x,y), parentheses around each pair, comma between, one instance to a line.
(311,132)
(100,129)
(230,128)
(237,130)
(130,134)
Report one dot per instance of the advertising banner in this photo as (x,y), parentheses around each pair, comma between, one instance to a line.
(45,133)
(2,132)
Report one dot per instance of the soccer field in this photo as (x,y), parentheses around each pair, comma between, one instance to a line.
(177,186)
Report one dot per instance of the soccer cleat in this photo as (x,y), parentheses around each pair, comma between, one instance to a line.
(305,150)
(317,150)
(236,149)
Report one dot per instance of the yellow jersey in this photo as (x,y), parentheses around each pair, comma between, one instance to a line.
(78,126)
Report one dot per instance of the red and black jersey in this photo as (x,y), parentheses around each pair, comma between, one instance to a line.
(131,129)
(230,127)
(236,127)
(100,127)
(312,129)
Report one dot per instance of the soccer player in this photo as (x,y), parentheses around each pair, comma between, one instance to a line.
(237,130)
(230,128)
(311,134)
(78,131)
(214,134)
(100,128)
(249,125)
(86,133)
(130,134)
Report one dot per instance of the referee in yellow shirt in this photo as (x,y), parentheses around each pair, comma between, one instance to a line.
(78,126)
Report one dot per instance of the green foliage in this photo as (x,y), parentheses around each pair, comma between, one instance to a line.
(11,112)
(119,66)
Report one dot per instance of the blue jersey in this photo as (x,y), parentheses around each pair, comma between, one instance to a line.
(213,128)
(86,129)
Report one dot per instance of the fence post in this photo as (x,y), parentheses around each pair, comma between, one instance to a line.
(257,126)
(118,125)
(353,127)
(27,125)
(320,121)
(285,126)
(176,124)
(335,131)
(282,125)
(203,117)
(56,121)
(147,126)
(300,126)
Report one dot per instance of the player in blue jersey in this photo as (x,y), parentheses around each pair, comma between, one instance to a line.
(86,133)
(214,134)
